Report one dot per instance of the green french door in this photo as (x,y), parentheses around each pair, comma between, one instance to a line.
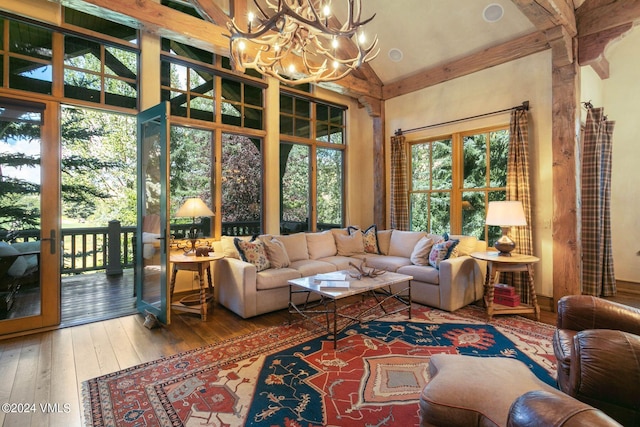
(29,215)
(152,285)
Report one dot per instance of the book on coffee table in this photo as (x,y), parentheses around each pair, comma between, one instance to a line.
(334,285)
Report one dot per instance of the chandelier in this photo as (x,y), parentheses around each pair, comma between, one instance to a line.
(294,41)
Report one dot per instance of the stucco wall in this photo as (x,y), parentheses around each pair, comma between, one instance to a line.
(490,90)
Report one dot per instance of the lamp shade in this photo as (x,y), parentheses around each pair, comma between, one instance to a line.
(193,207)
(506,213)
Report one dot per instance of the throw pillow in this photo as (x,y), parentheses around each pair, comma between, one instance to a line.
(296,246)
(19,266)
(441,251)
(276,253)
(420,254)
(253,252)
(350,245)
(229,248)
(403,242)
(321,244)
(384,241)
(369,238)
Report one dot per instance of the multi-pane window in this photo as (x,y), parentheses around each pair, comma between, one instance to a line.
(241,104)
(431,185)
(311,164)
(453,179)
(189,90)
(28,53)
(98,73)
(93,70)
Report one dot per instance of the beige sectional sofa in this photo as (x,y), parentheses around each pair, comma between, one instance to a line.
(458,280)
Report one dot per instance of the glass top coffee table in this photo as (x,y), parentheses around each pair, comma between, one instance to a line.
(340,284)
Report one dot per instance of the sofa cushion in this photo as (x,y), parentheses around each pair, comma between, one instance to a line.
(341,262)
(403,242)
(311,267)
(321,244)
(421,273)
(350,245)
(441,251)
(420,254)
(384,240)
(369,238)
(19,266)
(275,278)
(276,252)
(296,245)
(386,262)
(253,252)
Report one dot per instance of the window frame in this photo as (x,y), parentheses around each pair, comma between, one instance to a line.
(457,189)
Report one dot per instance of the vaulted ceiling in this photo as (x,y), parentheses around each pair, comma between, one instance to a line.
(437,40)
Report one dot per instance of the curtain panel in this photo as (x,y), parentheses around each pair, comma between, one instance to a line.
(518,188)
(597,258)
(399,185)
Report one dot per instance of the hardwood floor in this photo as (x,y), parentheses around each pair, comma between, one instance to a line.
(49,368)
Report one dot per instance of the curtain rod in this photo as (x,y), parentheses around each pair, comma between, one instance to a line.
(524,106)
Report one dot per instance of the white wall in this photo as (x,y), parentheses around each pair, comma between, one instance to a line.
(620,95)
(497,88)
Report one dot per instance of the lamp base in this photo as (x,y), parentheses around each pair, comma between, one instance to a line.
(191,250)
(504,244)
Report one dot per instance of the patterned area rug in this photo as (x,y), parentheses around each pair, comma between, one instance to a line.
(291,375)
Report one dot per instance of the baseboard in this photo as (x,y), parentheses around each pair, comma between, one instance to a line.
(546,304)
(628,287)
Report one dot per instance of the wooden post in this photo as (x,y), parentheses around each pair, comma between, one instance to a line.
(567,244)
(114,251)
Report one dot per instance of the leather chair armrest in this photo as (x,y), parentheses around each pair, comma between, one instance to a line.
(545,408)
(580,312)
(605,372)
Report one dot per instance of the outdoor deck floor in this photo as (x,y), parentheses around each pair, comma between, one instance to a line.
(92,297)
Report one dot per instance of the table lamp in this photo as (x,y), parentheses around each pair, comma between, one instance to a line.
(193,207)
(505,214)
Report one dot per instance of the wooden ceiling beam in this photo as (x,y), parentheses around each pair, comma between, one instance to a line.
(548,14)
(490,57)
(595,16)
(211,12)
(591,48)
(556,19)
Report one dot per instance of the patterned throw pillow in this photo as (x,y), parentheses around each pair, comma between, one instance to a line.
(441,251)
(253,252)
(369,238)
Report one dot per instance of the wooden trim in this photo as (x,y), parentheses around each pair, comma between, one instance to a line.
(487,58)
(628,287)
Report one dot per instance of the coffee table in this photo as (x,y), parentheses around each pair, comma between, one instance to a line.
(378,287)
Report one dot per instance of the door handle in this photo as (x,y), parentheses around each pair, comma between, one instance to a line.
(52,239)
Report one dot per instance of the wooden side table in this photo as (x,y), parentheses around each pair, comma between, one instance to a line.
(497,264)
(200,265)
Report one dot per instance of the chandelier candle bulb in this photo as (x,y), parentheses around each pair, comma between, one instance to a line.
(300,32)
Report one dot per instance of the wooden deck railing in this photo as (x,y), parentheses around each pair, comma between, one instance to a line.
(112,248)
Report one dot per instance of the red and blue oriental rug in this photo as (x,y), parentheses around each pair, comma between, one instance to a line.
(292,376)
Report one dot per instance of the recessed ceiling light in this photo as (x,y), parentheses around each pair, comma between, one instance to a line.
(493,12)
(395,55)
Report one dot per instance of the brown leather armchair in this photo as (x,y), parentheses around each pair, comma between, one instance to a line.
(545,408)
(597,347)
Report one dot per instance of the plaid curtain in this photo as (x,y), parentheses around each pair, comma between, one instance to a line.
(518,189)
(399,186)
(597,258)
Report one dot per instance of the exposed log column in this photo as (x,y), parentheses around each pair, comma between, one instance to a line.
(375,108)
(567,246)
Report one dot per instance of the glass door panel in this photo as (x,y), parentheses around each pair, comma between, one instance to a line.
(29,216)
(152,285)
